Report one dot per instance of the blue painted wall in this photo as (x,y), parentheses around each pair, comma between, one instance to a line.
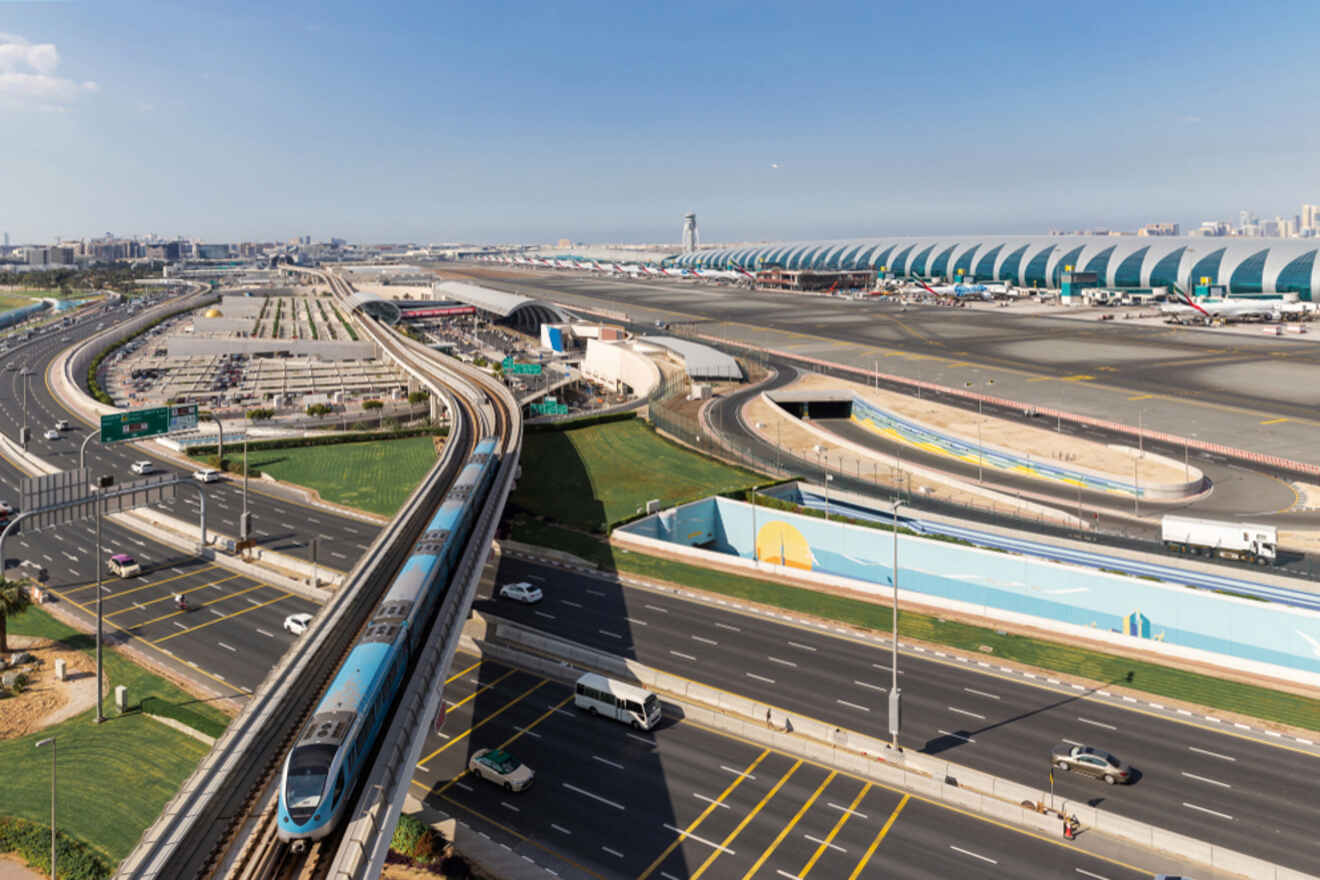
(1178,615)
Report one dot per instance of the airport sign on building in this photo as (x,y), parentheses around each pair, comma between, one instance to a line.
(142,423)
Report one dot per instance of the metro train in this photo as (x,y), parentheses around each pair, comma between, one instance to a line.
(322,769)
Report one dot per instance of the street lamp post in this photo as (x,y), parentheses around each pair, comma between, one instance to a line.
(100,716)
(51,742)
(82,450)
(25,374)
(829,478)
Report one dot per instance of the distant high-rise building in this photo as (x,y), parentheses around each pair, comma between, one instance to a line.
(6,239)
(690,240)
(1159,229)
(1310,217)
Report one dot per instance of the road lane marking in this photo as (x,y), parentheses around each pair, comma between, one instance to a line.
(1203,779)
(612,635)
(460,736)
(874,687)
(640,739)
(801,646)
(615,764)
(1210,753)
(606,801)
(1073,742)
(736,772)
(613,852)
(957,736)
(705,640)
(250,608)
(544,614)
(570,603)
(1086,873)
(849,810)
(825,843)
(852,705)
(561,829)
(968,852)
(702,797)
(981,693)
(784,832)
(847,813)
(509,806)
(1204,810)
(685,835)
(227,647)
(684,656)
(727,626)
(636,621)
(879,837)
(1096,723)
(596,592)
(527,731)
(781,662)
(746,820)
(657,608)
(1273,421)
(759,677)
(965,712)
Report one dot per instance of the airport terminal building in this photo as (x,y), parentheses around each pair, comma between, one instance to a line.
(1247,266)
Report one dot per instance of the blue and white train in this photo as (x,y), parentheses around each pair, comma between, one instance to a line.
(321,770)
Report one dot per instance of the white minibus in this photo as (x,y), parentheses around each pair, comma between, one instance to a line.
(614,699)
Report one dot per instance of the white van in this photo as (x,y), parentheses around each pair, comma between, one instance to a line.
(614,699)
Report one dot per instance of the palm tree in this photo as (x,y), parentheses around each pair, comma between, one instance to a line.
(13,599)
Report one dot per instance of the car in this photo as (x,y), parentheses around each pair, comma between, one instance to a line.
(52,434)
(206,475)
(124,565)
(62,425)
(528,594)
(142,467)
(6,509)
(501,768)
(298,623)
(1091,761)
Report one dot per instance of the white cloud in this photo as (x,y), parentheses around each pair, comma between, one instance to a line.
(28,80)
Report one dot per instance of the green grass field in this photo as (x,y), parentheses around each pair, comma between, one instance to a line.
(376,476)
(592,476)
(114,777)
(1109,668)
(10,300)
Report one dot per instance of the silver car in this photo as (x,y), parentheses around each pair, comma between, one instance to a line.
(1091,761)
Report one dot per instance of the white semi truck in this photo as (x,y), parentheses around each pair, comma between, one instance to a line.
(1250,542)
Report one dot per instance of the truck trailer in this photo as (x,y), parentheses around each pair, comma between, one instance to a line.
(1250,542)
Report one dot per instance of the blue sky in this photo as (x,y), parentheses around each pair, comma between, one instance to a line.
(532,121)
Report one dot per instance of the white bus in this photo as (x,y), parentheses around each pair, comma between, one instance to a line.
(614,699)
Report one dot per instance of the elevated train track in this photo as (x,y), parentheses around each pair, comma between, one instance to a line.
(222,821)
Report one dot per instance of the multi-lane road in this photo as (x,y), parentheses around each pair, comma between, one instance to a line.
(681,802)
(232,633)
(1249,792)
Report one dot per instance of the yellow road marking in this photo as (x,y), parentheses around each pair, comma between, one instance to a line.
(461,673)
(139,605)
(724,844)
(1080,377)
(482,690)
(460,737)
(177,613)
(737,781)
(504,745)
(522,837)
(779,838)
(278,598)
(870,851)
(838,826)
(1141,397)
(145,585)
(1273,421)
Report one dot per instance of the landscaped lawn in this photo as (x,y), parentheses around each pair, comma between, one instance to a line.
(376,476)
(10,300)
(595,475)
(113,778)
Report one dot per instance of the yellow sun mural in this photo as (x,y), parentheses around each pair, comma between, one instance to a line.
(782,544)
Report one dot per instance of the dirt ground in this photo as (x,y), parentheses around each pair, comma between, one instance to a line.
(14,868)
(47,701)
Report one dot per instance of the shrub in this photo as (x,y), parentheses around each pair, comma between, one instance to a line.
(31,841)
(373,404)
(319,409)
(260,414)
(416,397)
(415,840)
(352,334)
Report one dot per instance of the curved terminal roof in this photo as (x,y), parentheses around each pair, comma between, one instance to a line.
(1247,266)
(375,306)
(700,361)
(517,311)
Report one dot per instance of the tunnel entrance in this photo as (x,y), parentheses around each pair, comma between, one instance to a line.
(814,404)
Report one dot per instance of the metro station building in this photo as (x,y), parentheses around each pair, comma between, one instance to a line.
(1247,266)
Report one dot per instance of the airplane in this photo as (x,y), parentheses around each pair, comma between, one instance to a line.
(1208,310)
(651,270)
(632,269)
(675,272)
(958,290)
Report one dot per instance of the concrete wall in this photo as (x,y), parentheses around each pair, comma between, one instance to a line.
(609,363)
(224,325)
(1267,638)
(183,346)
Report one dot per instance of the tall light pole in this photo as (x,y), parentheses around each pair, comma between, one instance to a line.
(829,478)
(895,695)
(100,697)
(82,450)
(25,433)
(50,741)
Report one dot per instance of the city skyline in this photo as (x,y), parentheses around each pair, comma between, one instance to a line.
(530,125)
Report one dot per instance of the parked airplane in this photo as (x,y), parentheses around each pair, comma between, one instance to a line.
(1208,309)
(958,290)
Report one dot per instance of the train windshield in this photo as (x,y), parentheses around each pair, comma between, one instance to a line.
(309,766)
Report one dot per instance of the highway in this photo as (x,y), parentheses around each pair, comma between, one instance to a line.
(685,802)
(279,523)
(1243,792)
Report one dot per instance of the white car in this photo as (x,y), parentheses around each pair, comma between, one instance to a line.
(142,467)
(528,594)
(297,623)
(207,475)
(52,434)
(501,768)
(62,425)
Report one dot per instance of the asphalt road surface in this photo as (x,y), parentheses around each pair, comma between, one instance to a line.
(682,802)
(1245,793)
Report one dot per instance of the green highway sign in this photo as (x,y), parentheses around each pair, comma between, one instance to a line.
(517,369)
(142,423)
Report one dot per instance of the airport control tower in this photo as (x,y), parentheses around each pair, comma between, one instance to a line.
(690,240)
